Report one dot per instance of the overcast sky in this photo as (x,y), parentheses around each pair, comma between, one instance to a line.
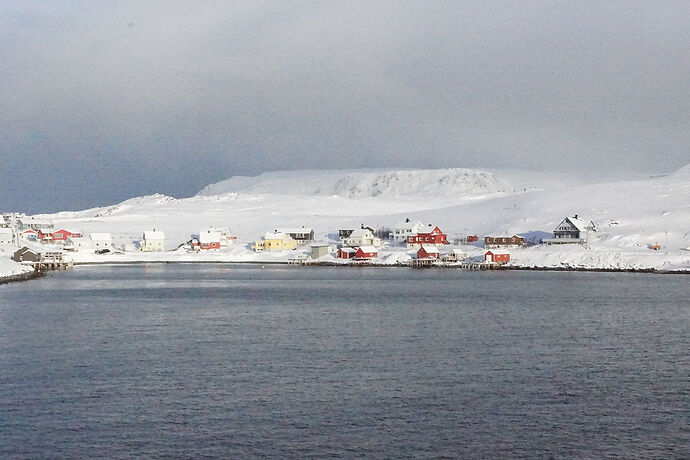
(104,100)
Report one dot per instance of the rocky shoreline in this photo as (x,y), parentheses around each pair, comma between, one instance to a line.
(21,277)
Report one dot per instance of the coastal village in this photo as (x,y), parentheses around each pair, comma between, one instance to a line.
(40,244)
(421,219)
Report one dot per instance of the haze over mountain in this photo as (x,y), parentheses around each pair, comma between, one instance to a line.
(103,101)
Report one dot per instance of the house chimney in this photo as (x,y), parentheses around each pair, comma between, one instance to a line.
(576,216)
(407,219)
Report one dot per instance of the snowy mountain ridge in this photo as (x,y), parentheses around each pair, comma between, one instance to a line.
(364,183)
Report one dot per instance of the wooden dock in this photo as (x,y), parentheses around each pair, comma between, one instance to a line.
(299,260)
(49,261)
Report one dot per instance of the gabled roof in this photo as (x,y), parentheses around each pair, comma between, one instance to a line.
(429,248)
(430,230)
(24,250)
(275,235)
(346,249)
(368,249)
(100,236)
(578,223)
(409,225)
(360,232)
(154,235)
(63,229)
(209,237)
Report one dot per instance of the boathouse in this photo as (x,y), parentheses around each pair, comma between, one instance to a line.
(496,257)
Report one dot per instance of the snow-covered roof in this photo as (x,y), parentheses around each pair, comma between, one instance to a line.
(368,249)
(296,230)
(580,224)
(275,236)
(430,248)
(412,225)
(360,232)
(6,231)
(100,236)
(154,235)
(209,237)
(319,245)
(348,249)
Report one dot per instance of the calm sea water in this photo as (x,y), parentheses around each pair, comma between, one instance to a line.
(245,361)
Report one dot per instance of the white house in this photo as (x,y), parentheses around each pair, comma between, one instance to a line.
(226,238)
(572,230)
(101,240)
(152,241)
(209,239)
(77,244)
(404,229)
(361,237)
(303,235)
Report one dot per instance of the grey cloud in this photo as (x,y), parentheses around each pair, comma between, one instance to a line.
(138,97)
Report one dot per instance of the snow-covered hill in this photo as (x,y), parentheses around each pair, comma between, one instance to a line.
(8,267)
(631,214)
(364,183)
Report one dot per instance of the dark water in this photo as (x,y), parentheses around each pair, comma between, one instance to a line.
(189,361)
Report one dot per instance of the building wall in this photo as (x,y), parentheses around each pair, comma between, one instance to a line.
(152,246)
(319,251)
(279,245)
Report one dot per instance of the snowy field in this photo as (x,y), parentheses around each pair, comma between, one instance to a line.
(631,214)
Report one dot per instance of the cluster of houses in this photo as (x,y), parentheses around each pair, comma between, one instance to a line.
(430,242)
(17,227)
(360,244)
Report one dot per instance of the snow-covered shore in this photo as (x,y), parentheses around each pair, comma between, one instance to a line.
(11,270)
(537,257)
(631,215)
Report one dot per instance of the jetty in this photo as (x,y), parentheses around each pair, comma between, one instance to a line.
(42,261)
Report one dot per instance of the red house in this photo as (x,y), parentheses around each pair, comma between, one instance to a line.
(428,252)
(366,252)
(59,235)
(30,234)
(209,240)
(346,253)
(63,235)
(496,257)
(435,236)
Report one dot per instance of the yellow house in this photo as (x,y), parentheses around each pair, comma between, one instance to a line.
(275,241)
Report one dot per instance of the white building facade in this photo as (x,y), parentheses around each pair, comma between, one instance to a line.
(153,241)
(361,237)
(404,229)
